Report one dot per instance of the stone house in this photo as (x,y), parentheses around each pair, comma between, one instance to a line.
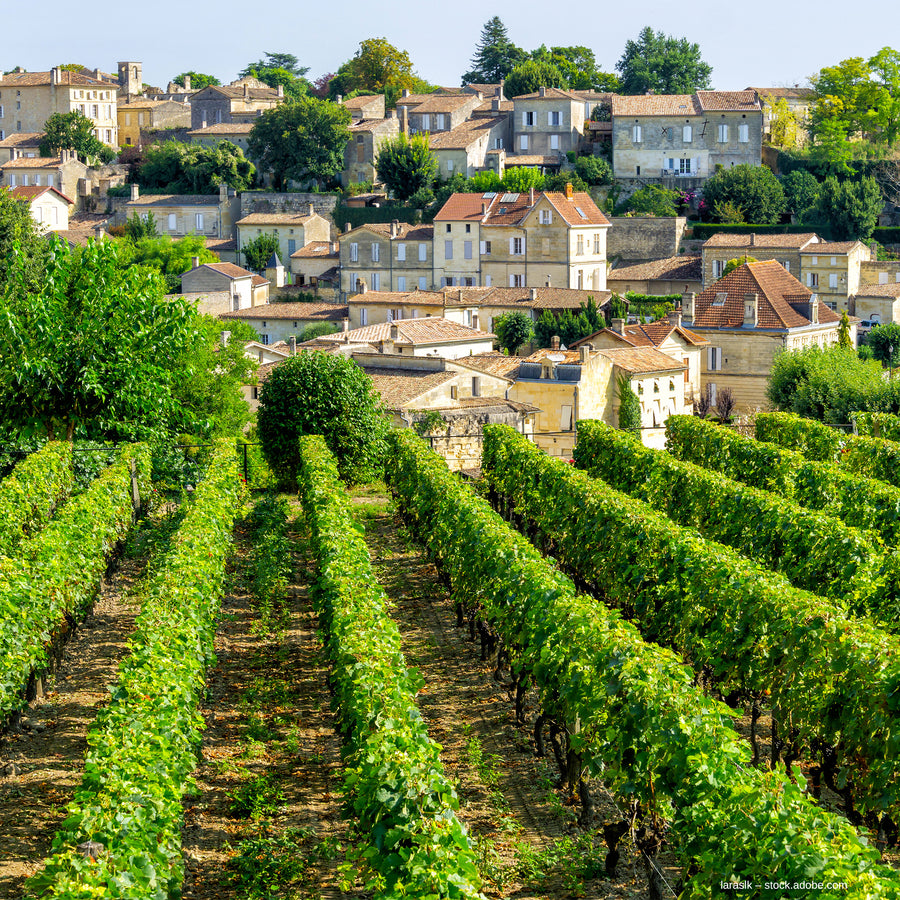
(464,149)
(878,271)
(549,123)
(435,112)
(237,133)
(276,322)
(293,230)
(877,303)
(832,270)
(177,215)
(315,264)
(361,151)
(672,275)
(245,288)
(26,144)
(679,140)
(521,240)
(784,249)
(28,99)
(748,317)
(49,208)
(388,256)
(65,172)
(137,115)
(798,101)
(241,101)
(668,336)
(365,106)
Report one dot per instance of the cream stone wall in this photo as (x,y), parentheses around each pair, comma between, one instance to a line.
(50,212)
(568,131)
(389,267)
(315,228)
(788,258)
(886,309)
(879,272)
(460,237)
(818,269)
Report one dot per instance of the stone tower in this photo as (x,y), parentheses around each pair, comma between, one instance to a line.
(131,78)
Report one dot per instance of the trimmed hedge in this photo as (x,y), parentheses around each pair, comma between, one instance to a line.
(870,457)
(863,503)
(708,229)
(143,745)
(56,573)
(886,234)
(30,493)
(883,425)
(631,709)
(365,215)
(394,778)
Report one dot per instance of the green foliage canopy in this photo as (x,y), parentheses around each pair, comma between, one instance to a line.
(193,169)
(512,330)
(662,64)
(885,343)
(532,74)
(848,209)
(495,55)
(651,200)
(20,244)
(406,165)
(259,251)
(753,188)
(198,80)
(629,406)
(73,131)
(801,191)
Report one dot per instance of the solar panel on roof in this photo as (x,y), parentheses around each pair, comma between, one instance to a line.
(509,198)
(489,195)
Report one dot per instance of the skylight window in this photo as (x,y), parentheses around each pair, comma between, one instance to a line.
(509,198)
(489,195)
(580,212)
(721,297)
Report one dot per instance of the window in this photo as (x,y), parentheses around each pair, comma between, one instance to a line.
(832,280)
(448,228)
(448,249)
(723,134)
(439,121)
(376,252)
(487,281)
(713,394)
(172,221)
(517,281)
(95,111)
(476,386)
(108,136)
(394,315)
(127,116)
(528,119)
(565,418)
(449,165)
(713,359)
(718,267)
(498,143)
(685,166)
(814,261)
(467,250)
(12,179)
(581,279)
(744,134)
(579,245)
(140,118)
(454,392)
(882,277)
(786,264)
(546,217)
(401,252)
(523,142)
(554,117)
(636,134)
(597,244)
(468,228)
(376,281)
(517,246)
(363,317)
(254,393)
(423,252)
(19,104)
(422,283)
(812,279)
(265,339)
(834,260)
(485,248)
(554,142)
(401,282)
(354,252)
(687,134)
(469,281)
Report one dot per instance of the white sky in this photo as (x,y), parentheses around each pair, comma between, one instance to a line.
(764,44)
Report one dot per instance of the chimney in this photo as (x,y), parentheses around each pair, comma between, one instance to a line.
(534,293)
(554,342)
(484,207)
(347,227)
(339,99)
(751,310)
(391,114)
(223,192)
(281,90)
(395,332)
(387,347)
(495,104)
(404,117)
(618,326)
(405,92)
(500,90)
(345,324)
(361,286)
(246,91)
(584,353)
(292,344)
(187,83)
(312,209)
(195,262)
(674,317)
(531,196)
(814,309)
(395,228)
(224,337)
(542,91)
(135,192)
(55,75)
(752,239)
(570,194)
(687,307)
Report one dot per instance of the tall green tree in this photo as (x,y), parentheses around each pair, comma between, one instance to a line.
(286,61)
(531,75)
(578,67)
(629,406)
(20,244)
(885,343)
(512,330)
(663,64)
(495,55)
(848,209)
(198,80)
(194,169)
(73,131)
(280,70)
(169,257)
(259,251)
(406,165)
(378,67)
(301,141)
(754,189)
(95,351)
(801,191)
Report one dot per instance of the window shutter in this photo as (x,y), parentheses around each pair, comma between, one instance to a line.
(512,246)
(422,252)
(524,118)
(487,280)
(401,252)
(549,118)
(481,247)
(710,359)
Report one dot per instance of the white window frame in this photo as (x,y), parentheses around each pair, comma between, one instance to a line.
(423,252)
(713,359)
(554,142)
(376,252)
(722,131)
(523,141)
(449,165)
(516,246)
(423,283)
(354,252)
(545,217)
(198,221)
(687,134)
(376,281)
(401,252)
(743,134)
(718,267)
(173,222)
(467,249)
(363,317)
(527,119)
(832,280)
(516,280)
(636,134)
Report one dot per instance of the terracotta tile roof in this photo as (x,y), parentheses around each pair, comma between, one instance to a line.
(550,93)
(373,125)
(427,330)
(487,405)
(779,293)
(461,207)
(34,79)
(398,298)
(642,359)
(487,90)
(176,200)
(794,93)
(324,312)
(23,139)
(224,128)
(569,209)
(522,298)
(832,248)
(229,269)
(672,268)
(143,103)
(412,100)
(33,162)
(724,101)
(605,127)
(32,192)
(648,335)
(361,101)
(769,241)
(316,250)
(259,281)
(492,363)
(511,208)
(221,245)
(275,219)
(464,135)
(891,289)
(487,107)
(405,231)
(443,103)
(684,104)
(399,387)
(528,159)
(78,237)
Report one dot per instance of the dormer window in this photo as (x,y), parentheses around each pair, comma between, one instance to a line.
(721,297)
